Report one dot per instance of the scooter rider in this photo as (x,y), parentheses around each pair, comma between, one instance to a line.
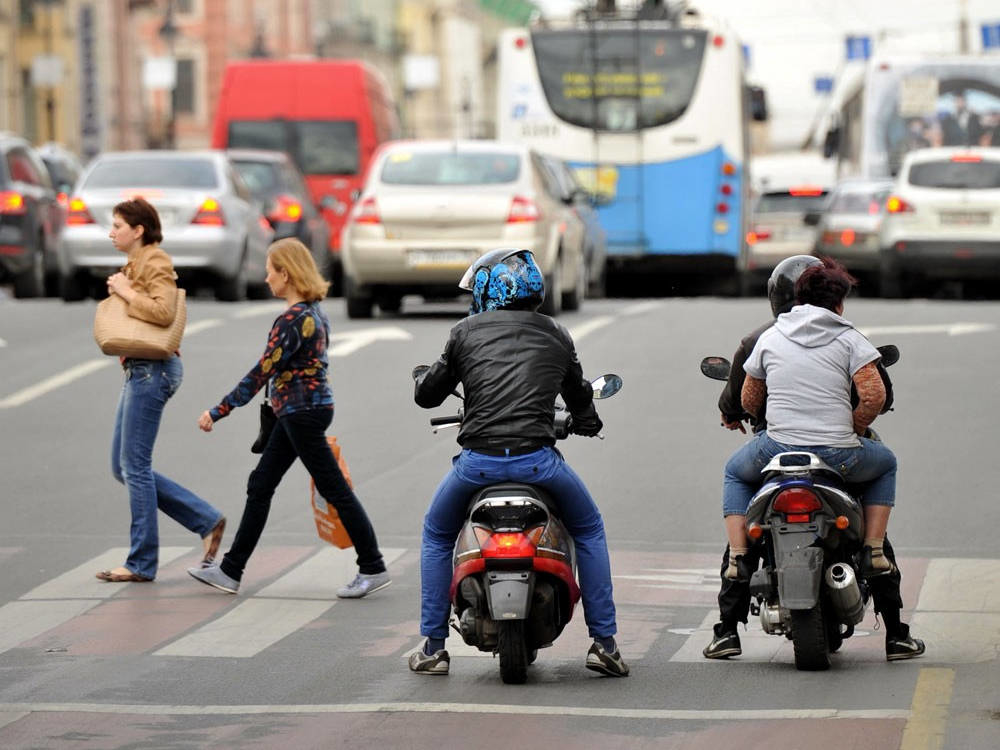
(734,594)
(512,363)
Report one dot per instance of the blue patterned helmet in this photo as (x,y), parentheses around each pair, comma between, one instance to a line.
(504,279)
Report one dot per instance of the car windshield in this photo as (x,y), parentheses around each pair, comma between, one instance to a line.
(858,202)
(784,202)
(262,177)
(450,168)
(318,147)
(165,173)
(956,175)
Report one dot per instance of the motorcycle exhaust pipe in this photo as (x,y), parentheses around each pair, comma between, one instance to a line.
(845,594)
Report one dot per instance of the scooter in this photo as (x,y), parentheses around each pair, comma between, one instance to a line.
(514,586)
(811,533)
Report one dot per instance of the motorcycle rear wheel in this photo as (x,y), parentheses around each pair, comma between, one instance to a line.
(513,652)
(809,640)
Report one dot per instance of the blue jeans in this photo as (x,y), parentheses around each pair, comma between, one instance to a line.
(577,510)
(871,467)
(149,383)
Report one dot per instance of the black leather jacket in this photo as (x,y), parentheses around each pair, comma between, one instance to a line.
(512,365)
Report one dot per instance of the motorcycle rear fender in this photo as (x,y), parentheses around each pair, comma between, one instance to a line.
(800,569)
(508,594)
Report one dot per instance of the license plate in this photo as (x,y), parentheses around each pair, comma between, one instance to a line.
(965,218)
(439,258)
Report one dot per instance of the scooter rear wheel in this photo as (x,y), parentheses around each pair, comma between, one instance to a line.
(513,652)
(812,652)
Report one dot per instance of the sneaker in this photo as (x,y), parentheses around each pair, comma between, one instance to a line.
(436,663)
(364,584)
(601,661)
(726,643)
(213,576)
(902,647)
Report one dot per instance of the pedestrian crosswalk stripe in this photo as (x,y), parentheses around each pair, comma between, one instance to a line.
(276,611)
(80,583)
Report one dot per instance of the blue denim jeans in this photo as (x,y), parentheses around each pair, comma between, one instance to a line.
(577,510)
(871,467)
(149,383)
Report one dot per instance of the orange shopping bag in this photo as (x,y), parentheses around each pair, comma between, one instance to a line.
(328,523)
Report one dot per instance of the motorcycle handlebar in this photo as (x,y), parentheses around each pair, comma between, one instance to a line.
(439,421)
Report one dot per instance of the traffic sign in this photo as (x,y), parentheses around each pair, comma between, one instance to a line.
(823,84)
(859,47)
(991,35)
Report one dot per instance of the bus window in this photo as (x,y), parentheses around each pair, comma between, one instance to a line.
(636,79)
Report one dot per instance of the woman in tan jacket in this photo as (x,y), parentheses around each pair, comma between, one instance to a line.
(148,284)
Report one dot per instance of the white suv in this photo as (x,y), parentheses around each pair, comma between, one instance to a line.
(942,220)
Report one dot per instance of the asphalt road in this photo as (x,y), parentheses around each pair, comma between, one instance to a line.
(178,665)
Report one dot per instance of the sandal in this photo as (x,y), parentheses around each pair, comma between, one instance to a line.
(215,539)
(110,576)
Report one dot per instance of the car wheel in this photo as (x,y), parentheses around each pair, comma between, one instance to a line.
(574,297)
(31,282)
(552,304)
(390,302)
(234,289)
(72,287)
(359,304)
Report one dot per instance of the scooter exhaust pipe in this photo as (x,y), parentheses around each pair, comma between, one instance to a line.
(845,594)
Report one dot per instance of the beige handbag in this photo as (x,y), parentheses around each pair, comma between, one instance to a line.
(124,336)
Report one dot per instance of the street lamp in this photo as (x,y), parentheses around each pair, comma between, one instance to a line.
(169,32)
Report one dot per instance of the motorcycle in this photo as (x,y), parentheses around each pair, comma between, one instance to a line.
(810,530)
(513,588)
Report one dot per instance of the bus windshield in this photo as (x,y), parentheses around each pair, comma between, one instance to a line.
(918,105)
(318,147)
(619,80)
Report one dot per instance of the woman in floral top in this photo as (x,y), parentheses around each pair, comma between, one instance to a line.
(295,364)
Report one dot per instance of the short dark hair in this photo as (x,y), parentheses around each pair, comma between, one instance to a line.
(140,212)
(824,285)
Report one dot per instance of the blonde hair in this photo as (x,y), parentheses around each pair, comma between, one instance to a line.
(292,257)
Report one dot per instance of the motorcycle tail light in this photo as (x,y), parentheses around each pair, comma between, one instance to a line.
(797,504)
(508,544)
(467,546)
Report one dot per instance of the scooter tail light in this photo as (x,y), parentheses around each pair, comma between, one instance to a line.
(797,503)
(508,544)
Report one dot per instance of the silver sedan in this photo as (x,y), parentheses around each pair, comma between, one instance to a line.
(212,226)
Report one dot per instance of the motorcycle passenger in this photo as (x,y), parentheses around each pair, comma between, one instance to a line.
(512,362)
(734,595)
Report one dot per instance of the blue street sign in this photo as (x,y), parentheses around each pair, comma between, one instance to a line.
(991,35)
(859,47)
(823,84)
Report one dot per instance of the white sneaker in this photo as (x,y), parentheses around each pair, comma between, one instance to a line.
(364,584)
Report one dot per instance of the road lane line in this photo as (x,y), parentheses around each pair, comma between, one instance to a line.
(641,307)
(925,729)
(588,327)
(952,329)
(202,325)
(727,715)
(274,310)
(276,611)
(56,381)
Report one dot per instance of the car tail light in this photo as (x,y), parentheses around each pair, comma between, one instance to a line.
(11,202)
(521,210)
(285,208)
(758,235)
(847,237)
(806,191)
(78,212)
(508,544)
(210,214)
(797,504)
(896,205)
(366,212)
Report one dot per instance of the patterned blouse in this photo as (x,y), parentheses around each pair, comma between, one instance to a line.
(294,361)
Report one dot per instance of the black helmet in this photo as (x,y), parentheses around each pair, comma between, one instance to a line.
(781,285)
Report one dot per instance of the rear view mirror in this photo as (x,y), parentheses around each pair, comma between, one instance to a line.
(419,370)
(890,354)
(606,386)
(716,368)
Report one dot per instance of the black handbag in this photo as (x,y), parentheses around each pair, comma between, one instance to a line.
(267,422)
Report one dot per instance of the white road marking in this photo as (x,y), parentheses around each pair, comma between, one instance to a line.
(588,327)
(274,310)
(276,611)
(952,329)
(349,342)
(67,596)
(202,325)
(958,613)
(641,307)
(56,381)
(664,714)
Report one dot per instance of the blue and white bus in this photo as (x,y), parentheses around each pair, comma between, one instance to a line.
(653,117)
